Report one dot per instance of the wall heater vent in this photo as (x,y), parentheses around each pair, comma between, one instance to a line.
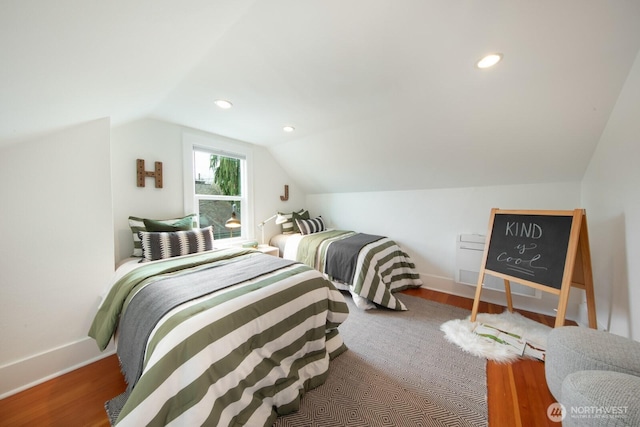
(469,251)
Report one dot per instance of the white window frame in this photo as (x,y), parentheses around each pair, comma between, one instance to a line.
(222,146)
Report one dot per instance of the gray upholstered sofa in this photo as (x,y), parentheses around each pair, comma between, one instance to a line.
(595,375)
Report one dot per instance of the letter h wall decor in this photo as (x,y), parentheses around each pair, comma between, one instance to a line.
(142,174)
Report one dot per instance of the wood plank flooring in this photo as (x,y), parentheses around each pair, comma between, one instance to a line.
(73,399)
(517,392)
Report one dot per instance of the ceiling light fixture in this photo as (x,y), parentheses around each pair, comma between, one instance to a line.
(489,60)
(288,128)
(225,105)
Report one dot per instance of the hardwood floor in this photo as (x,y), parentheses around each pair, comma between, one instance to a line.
(73,399)
(517,393)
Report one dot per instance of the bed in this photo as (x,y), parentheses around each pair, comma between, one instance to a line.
(219,337)
(371,267)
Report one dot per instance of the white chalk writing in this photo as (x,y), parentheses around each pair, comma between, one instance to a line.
(523,265)
(523,229)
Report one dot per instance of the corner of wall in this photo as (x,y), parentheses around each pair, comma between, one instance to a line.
(33,370)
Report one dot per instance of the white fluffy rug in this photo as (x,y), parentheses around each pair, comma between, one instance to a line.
(460,332)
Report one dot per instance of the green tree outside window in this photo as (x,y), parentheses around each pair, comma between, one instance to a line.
(226,174)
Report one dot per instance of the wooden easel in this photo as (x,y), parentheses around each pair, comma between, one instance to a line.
(576,273)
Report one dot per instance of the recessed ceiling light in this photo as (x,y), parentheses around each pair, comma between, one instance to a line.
(489,60)
(288,128)
(223,104)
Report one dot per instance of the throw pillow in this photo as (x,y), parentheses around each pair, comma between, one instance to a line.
(138,224)
(182,224)
(310,226)
(296,216)
(288,225)
(162,245)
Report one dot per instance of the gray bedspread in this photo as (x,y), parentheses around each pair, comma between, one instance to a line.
(343,254)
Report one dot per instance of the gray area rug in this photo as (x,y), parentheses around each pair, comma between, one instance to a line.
(399,371)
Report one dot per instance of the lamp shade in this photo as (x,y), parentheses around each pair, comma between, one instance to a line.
(281,219)
(233,222)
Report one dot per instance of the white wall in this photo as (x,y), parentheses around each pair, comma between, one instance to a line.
(426,223)
(56,254)
(59,247)
(151,141)
(154,140)
(611,195)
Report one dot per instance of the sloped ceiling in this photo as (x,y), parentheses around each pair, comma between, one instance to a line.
(384,95)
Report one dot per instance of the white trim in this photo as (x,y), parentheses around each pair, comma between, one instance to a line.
(36,369)
(449,286)
(187,172)
(219,143)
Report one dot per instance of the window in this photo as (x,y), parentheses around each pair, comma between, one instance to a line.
(217,185)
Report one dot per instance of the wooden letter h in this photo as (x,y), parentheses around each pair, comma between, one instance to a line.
(142,174)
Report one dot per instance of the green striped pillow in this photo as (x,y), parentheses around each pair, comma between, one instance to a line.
(290,226)
(173,224)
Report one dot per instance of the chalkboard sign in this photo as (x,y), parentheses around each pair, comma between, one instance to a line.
(547,250)
(530,247)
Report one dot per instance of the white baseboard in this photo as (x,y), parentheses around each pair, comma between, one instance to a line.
(446,285)
(36,369)
(450,286)
(583,317)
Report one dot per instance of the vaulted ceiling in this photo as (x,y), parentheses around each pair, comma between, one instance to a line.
(384,95)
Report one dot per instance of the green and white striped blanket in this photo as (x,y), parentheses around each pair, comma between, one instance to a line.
(381,266)
(238,356)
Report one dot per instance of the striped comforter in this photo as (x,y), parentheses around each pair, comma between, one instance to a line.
(381,266)
(238,356)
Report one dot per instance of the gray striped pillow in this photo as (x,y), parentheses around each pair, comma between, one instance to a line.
(310,226)
(138,224)
(161,245)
